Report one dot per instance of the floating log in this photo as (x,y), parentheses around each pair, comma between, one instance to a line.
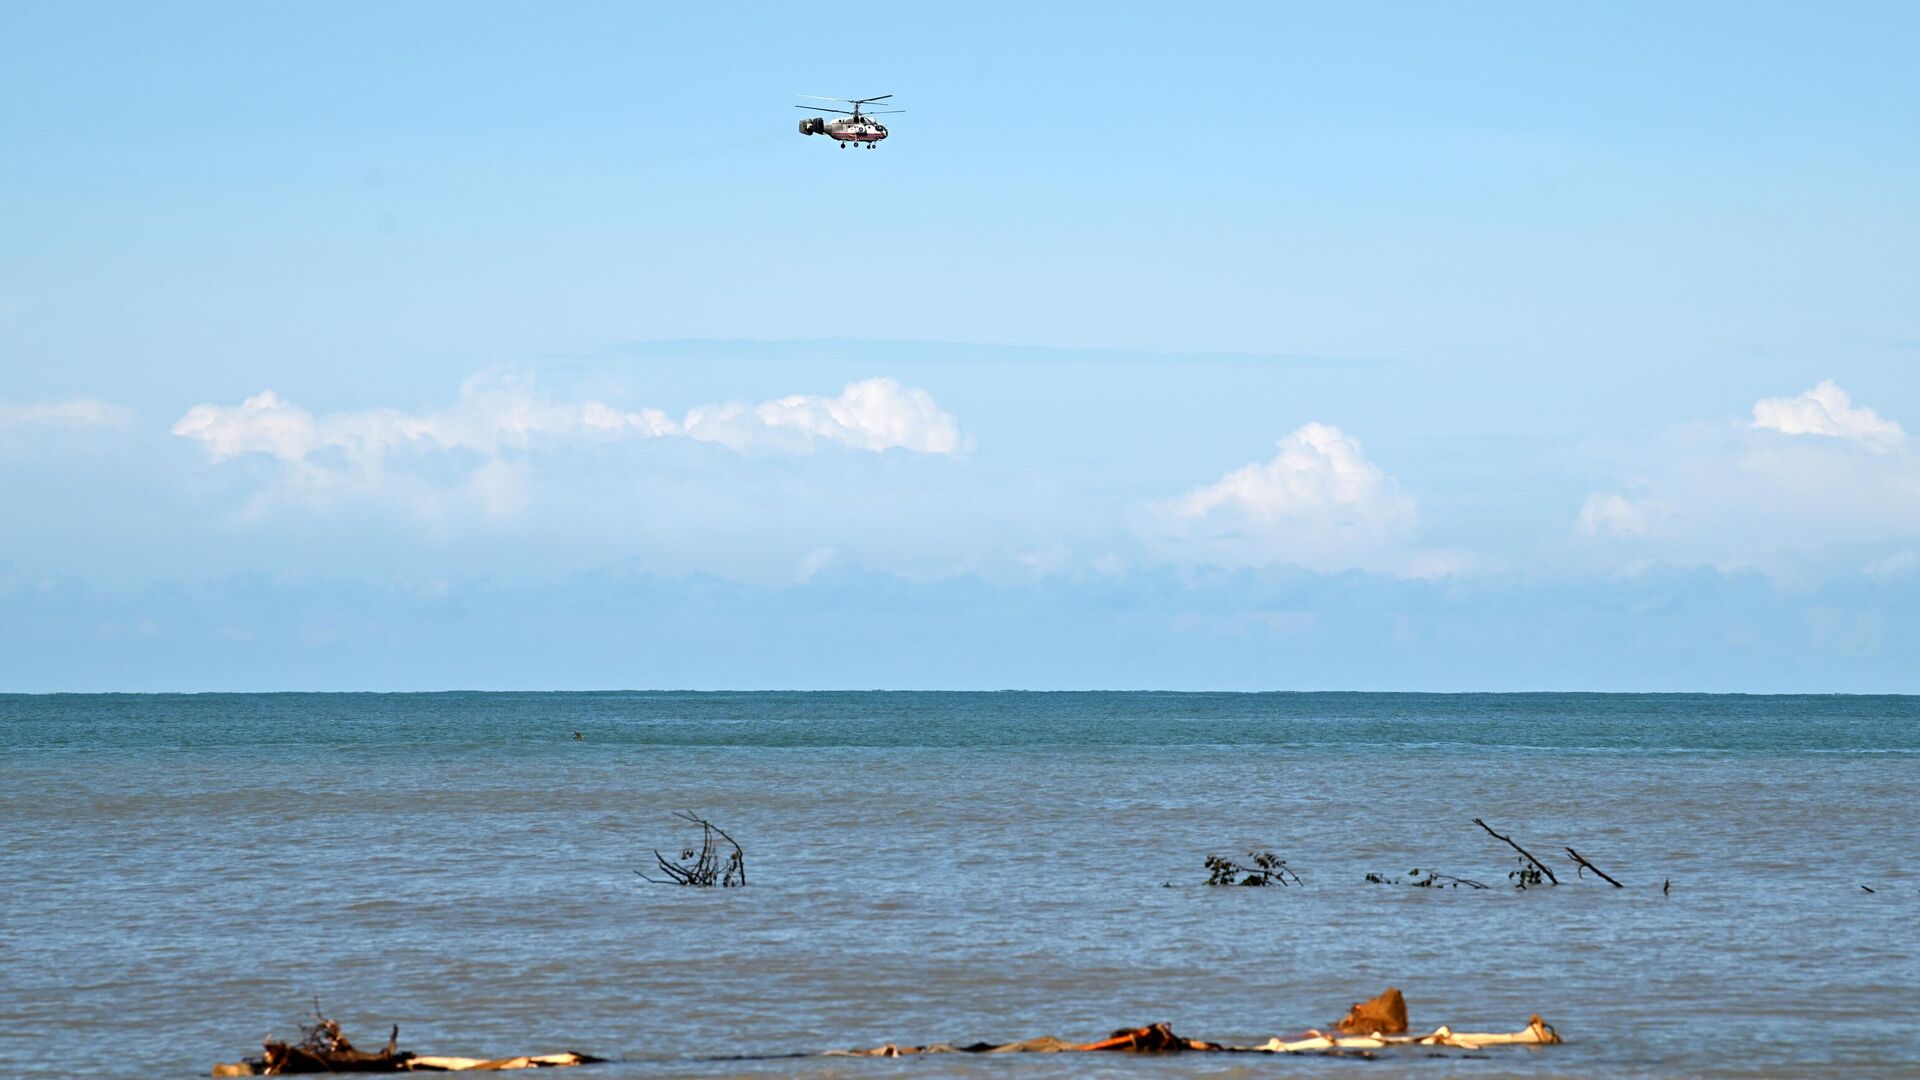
(323,1049)
(1386,1015)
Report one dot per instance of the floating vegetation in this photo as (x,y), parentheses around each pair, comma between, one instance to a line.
(1525,875)
(1266,869)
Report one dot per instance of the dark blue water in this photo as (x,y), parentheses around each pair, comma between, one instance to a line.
(183,874)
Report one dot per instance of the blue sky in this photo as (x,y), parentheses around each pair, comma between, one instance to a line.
(1493,347)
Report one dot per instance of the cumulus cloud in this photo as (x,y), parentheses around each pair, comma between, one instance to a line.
(1810,473)
(496,414)
(1827,410)
(1319,503)
(74,412)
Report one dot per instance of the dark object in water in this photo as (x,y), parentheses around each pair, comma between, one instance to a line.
(1267,869)
(1151,1039)
(325,1050)
(703,867)
(1586,866)
(1434,879)
(322,1049)
(1533,867)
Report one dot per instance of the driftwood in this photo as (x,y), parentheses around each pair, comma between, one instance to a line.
(1585,866)
(702,867)
(323,1049)
(1524,853)
(1371,1026)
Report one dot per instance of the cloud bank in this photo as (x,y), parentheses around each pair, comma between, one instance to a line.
(496,414)
(1810,473)
(1318,503)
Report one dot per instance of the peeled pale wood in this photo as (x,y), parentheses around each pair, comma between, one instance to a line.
(1389,1009)
(1537,1033)
(430,1063)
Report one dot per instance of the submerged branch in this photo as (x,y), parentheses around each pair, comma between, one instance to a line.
(1537,864)
(702,867)
(1585,865)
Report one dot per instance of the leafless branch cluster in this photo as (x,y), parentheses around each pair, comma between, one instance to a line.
(717,861)
(1267,869)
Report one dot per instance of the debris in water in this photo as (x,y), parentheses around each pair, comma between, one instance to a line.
(702,867)
(1385,1014)
(323,1049)
(1372,1025)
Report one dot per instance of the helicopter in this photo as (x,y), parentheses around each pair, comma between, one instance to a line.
(858,125)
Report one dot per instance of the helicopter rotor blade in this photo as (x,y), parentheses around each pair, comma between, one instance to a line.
(848,100)
(881,112)
(816,108)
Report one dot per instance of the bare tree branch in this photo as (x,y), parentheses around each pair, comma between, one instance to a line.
(1537,864)
(704,866)
(1585,865)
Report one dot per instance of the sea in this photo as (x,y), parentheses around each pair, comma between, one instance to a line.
(183,875)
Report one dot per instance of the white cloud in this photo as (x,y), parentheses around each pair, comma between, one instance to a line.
(495,414)
(1318,503)
(1611,515)
(74,412)
(1827,410)
(1813,480)
(877,414)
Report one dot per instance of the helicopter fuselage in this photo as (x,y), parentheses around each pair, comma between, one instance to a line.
(845,129)
(851,126)
(861,130)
